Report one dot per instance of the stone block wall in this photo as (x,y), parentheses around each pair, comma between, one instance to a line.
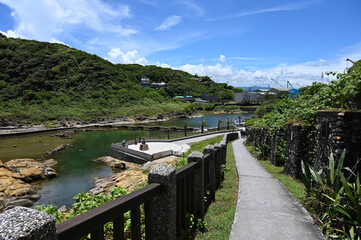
(297,149)
(336,131)
(274,143)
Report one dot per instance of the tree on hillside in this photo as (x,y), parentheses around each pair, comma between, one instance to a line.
(3,36)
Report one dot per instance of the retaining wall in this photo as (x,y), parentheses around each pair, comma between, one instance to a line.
(336,131)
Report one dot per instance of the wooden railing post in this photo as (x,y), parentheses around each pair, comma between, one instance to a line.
(209,149)
(164,209)
(27,223)
(198,183)
(217,158)
(224,152)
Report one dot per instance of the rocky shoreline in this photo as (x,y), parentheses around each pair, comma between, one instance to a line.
(16,178)
(131,175)
(12,127)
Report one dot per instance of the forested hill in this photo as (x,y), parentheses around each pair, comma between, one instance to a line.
(40,76)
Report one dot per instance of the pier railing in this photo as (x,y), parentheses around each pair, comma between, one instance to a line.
(157,211)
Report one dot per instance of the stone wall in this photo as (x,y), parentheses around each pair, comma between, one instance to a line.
(333,132)
(336,131)
(274,143)
(297,149)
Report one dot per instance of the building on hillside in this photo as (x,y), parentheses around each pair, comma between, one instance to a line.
(204,98)
(246,96)
(262,91)
(294,92)
(158,85)
(279,90)
(209,99)
(145,82)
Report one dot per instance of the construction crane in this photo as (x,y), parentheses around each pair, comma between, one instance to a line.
(289,84)
(298,84)
(276,82)
(350,60)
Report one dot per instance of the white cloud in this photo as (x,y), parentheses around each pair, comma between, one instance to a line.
(245,58)
(44,19)
(10,33)
(54,40)
(117,56)
(286,7)
(302,74)
(222,58)
(163,65)
(169,22)
(191,5)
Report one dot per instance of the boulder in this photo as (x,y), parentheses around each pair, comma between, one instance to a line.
(18,202)
(57,149)
(50,173)
(29,170)
(6,173)
(159,116)
(14,189)
(114,163)
(32,174)
(131,179)
(50,162)
(63,209)
(140,117)
(120,165)
(148,165)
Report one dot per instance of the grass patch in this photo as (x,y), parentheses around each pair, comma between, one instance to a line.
(294,186)
(220,214)
(198,146)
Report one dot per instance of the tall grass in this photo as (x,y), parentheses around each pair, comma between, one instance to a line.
(220,214)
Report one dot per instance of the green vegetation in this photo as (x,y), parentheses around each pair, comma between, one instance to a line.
(220,214)
(42,81)
(295,187)
(333,199)
(342,93)
(198,146)
(83,203)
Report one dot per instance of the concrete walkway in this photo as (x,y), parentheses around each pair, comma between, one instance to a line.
(198,139)
(265,209)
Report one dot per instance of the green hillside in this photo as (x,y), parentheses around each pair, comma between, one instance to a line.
(41,81)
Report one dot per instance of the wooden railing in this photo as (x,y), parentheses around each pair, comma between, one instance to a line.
(185,198)
(187,182)
(94,220)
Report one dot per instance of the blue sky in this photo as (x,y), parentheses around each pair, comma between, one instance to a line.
(241,42)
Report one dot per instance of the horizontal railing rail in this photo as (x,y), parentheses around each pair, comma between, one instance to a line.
(94,220)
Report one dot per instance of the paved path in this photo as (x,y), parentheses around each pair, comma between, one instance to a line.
(198,139)
(265,209)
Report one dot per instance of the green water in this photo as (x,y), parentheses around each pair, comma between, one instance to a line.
(29,145)
(75,168)
(77,171)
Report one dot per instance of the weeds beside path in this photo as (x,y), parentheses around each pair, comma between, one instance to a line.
(220,214)
(294,186)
